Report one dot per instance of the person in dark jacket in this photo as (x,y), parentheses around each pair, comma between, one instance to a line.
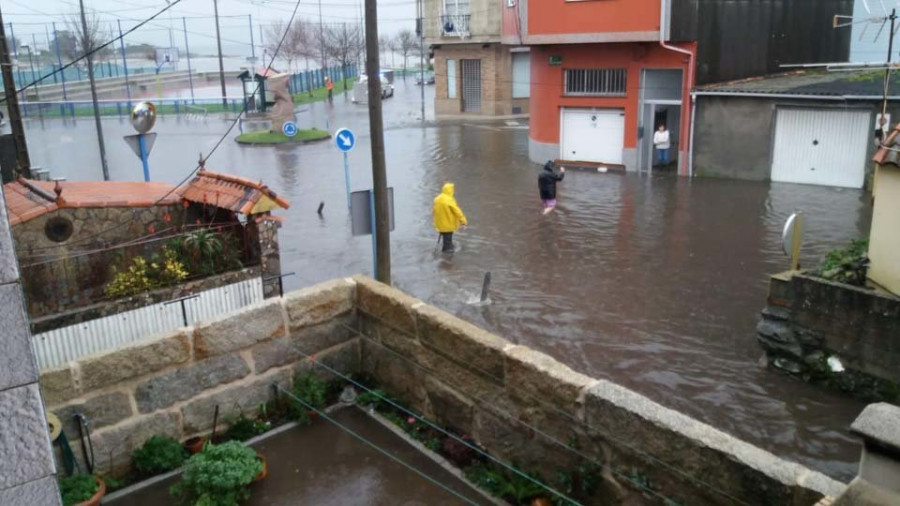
(547,185)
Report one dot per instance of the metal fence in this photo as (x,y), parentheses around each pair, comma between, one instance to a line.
(58,346)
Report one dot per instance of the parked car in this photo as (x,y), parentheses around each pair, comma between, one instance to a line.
(429,78)
(361,90)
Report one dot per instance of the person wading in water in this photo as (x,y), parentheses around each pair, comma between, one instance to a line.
(547,185)
(448,217)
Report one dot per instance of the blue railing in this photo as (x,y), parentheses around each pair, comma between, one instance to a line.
(24,76)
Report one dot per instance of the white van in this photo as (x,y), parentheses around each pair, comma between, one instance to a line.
(361,89)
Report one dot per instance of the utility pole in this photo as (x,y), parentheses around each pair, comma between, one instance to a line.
(12,104)
(187,53)
(221,64)
(252,45)
(420,27)
(887,70)
(376,130)
(34,76)
(88,46)
(321,39)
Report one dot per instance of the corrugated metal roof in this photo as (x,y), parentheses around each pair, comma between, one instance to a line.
(814,83)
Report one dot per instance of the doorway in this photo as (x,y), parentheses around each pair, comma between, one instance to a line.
(660,105)
(471,85)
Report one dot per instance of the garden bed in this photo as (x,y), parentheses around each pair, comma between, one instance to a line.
(322,464)
(268,137)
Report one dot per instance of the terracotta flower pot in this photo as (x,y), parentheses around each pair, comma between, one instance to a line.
(313,415)
(194,444)
(95,499)
(265,468)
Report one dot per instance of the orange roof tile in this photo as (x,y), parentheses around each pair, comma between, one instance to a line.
(27,199)
(230,192)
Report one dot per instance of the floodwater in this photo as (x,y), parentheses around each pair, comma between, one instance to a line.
(655,283)
(323,464)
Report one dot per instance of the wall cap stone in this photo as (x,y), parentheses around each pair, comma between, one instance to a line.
(703,435)
(879,423)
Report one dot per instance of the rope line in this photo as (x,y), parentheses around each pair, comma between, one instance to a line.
(375,447)
(439,429)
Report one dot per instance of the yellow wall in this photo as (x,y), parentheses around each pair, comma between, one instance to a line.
(884,239)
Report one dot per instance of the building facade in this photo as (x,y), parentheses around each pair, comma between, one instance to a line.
(605,75)
(475,72)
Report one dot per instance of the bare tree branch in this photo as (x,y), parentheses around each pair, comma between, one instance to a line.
(297,44)
(405,43)
(343,44)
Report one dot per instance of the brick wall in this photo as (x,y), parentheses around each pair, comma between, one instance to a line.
(496,79)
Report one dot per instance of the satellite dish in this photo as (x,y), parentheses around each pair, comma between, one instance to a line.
(143,117)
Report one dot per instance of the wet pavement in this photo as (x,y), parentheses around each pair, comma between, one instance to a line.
(324,465)
(655,283)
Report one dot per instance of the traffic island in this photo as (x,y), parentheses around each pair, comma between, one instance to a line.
(267,137)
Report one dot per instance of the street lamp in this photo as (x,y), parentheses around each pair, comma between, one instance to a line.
(31,64)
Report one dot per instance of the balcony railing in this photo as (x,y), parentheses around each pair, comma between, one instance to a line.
(455,25)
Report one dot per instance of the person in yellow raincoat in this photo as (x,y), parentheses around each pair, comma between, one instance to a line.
(447,216)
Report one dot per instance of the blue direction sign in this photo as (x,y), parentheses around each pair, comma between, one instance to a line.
(289,128)
(344,139)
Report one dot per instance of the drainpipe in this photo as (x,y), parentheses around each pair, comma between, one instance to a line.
(663,7)
(691,139)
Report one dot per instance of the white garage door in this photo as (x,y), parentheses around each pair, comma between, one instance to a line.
(821,146)
(592,135)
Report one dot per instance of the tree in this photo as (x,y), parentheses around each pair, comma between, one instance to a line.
(87,40)
(67,45)
(406,43)
(296,43)
(343,44)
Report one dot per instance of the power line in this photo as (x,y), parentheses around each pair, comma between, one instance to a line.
(92,51)
(499,382)
(202,159)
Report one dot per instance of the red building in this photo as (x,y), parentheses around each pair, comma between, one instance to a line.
(603,78)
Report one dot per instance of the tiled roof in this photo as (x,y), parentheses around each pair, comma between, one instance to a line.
(27,199)
(238,194)
(887,154)
(812,83)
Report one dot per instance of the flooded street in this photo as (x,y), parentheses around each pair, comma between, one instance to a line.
(655,283)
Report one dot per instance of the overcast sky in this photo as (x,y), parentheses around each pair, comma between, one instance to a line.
(32,18)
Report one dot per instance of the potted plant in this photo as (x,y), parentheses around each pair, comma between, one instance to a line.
(81,490)
(219,475)
(195,444)
(158,455)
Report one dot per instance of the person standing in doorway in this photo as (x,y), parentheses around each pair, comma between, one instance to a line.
(329,85)
(662,144)
(448,217)
(547,185)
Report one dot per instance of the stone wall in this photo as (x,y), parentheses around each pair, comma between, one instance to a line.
(77,279)
(27,473)
(519,404)
(807,319)
(170,384)
(525,407)
(117,306)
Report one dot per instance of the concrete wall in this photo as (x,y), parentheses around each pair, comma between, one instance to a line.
(806,317)
(884,236)
(525,407)
(734,136)
(170,384)
(27,471)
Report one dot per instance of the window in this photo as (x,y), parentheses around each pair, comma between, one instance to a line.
(597,82)
(451,78)
(521,75)
(456,7)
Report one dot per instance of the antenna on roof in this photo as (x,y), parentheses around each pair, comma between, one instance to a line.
(201,162)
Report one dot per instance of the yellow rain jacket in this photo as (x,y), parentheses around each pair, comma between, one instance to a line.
(447,214)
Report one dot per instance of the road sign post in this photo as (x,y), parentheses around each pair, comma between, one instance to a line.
(362,218)
(144,155)
(345,140)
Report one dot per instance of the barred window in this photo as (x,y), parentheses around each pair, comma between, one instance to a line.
(595,81)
